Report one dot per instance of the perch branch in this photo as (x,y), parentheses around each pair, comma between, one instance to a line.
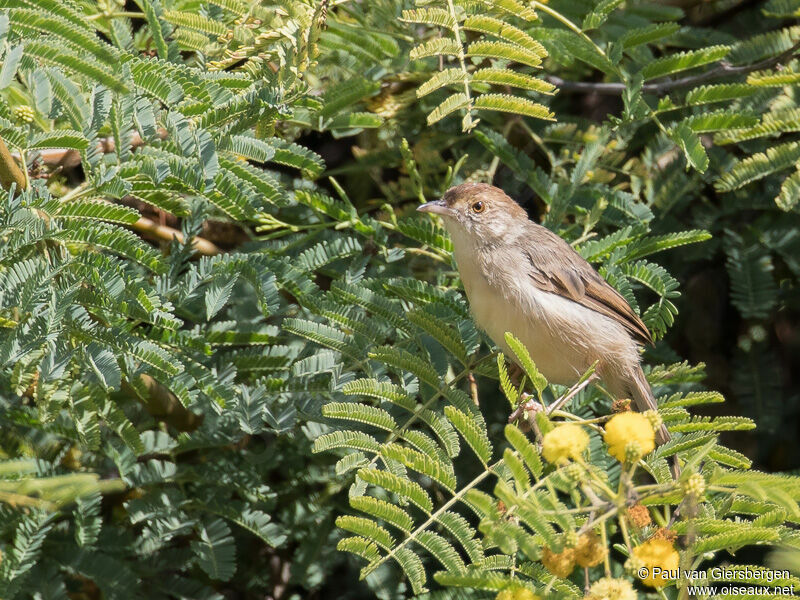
(662,87)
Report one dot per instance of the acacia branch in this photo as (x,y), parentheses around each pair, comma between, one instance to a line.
(167,234)
(162,404)
(72,158)
(9,170)
(158,400)
(660,88)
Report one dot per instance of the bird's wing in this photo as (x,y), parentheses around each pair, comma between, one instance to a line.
(553,266)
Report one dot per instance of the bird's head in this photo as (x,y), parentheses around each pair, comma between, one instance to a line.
(479,211)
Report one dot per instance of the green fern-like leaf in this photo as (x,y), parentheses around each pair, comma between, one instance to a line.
(774,78)
(524,359)
(439,80)
(504,77)
(648,34)
(759,165)
(367,529)
(422,463)
(688,141)
(525,449)
(98,209)
(682,61)
(789,196)
(381,509)
(405,488)
(359,546)
(707,94)
(506,51)
(435,17)
(504,31)
(450,105)
(513,104)
(472,432)
(436,47)
(360,413)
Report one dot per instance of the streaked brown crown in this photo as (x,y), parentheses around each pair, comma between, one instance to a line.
(466,193)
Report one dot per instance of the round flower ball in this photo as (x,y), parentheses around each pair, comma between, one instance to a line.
(611,589)
(656,553)
(590,551)
(517,594)
(629,431)
(561,564)
(564,442)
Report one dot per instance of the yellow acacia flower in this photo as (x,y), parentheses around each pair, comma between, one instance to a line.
(561,564)
(564,442)
(657,556)
(517,594)
(589,551)
(611,589)
(639,515)
(629,435)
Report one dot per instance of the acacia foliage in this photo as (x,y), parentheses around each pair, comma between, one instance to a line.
(159,407)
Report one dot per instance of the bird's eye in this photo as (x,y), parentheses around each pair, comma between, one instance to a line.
(478,207)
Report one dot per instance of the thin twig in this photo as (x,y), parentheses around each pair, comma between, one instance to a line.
(571,393)
(662,87)
(468,124)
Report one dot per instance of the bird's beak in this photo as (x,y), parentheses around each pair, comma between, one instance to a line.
(437,207)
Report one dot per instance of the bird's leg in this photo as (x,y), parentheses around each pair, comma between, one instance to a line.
(515,373)
(528,406)
(473,388)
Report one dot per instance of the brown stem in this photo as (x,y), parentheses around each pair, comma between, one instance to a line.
(163,404)
(167,233)
(571,393)
(72,158)
(9,170)
(662,87)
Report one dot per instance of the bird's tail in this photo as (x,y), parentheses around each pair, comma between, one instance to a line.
(644,400)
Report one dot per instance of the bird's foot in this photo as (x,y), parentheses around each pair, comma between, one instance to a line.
(526,411)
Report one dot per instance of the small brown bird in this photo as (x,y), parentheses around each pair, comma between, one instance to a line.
(523,278)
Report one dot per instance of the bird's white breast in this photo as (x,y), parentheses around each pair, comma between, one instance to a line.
(563,337)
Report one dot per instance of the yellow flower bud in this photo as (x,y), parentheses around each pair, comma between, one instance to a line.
(655,419)
(629,431)
(573,471)
(564,442)
(23,113)
(695,485)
